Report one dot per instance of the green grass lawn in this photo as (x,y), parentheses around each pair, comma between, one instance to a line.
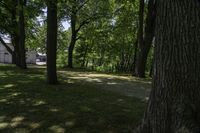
(29,105)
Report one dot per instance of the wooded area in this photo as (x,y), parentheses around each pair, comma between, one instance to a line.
(153,39)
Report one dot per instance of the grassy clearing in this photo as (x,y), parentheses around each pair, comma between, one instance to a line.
(29,105)
(126,85)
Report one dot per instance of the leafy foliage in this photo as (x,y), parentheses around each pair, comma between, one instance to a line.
(107,35)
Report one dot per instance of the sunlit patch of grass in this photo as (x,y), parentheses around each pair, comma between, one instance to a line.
(16,121)
(3,100)
(39,102)
(57,129)
(54,110)
(28,104)
(3,125)
(34,125)
(70,123)
(9,85)
(99,77)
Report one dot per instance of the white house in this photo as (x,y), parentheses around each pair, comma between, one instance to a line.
(6,57)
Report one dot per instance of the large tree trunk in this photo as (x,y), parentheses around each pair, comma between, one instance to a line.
(22,50)
(146,40)
(73,38)
(51,41)
(174,101)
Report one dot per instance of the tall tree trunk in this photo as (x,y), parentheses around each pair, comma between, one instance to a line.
(174,101)
(73,37)
(145,40)
(22,50)
(51,41)
(70,51)
(76,7)
(140,32)
(15,35)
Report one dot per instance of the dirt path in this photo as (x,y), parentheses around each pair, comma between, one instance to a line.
(126,85)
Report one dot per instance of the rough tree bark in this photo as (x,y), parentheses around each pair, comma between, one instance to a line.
(145,40)
(51,41)
(22,50)
(174,101)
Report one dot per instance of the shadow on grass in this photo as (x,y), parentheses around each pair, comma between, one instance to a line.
(28,105)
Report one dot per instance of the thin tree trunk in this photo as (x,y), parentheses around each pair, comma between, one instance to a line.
(146,41)
(84,57)
(174,101)
(70,52)
(22,50)
(86,64)
(101,60)
(73,37)
(51,41)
